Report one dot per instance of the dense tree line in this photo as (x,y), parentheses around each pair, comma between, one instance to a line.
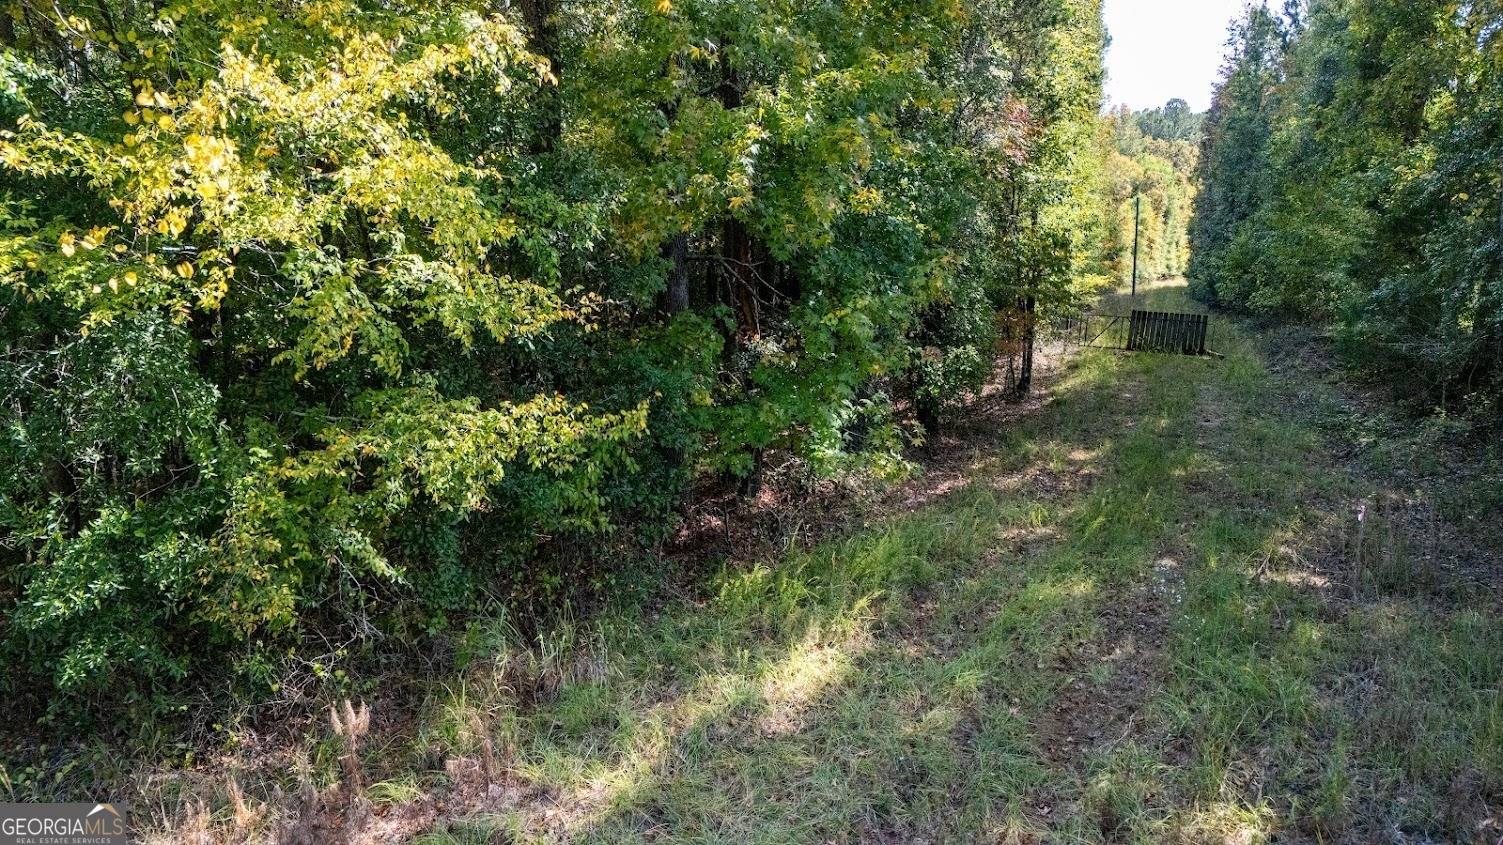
(331,316)
(1150,165)
(1351,174)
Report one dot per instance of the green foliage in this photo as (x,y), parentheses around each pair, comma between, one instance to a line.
(1151,160)
(1174,121)
(1351,175)
(340,320)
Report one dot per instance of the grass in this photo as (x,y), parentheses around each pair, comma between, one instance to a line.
(906,682)
(1137,621)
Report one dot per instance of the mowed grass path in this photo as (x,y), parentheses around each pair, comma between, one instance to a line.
(1133,624)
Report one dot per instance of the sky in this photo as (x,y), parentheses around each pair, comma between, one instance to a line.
(1163,49)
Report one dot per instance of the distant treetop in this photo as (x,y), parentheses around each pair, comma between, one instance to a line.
(1175,121)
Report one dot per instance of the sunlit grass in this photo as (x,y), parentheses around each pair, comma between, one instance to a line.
(950,674)
(902,681)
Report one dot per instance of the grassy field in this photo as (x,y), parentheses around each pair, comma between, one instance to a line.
(1168,606)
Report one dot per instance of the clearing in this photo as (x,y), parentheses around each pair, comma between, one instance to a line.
(1178,599)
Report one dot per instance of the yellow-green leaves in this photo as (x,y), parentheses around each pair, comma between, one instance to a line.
(294,159)
(423,289)
(290,258)
(407,448)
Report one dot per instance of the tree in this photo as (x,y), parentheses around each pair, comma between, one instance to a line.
(348,319)
(1174,121)
(1159,172)
(1353,181)
(1234,157)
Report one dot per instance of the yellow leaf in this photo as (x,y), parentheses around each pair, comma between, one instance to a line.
(665,6)
(185,269)
(65,242)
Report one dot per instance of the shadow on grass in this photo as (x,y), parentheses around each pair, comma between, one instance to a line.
(1121,620)
(900,684)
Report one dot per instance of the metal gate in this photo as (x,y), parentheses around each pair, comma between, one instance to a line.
(1101,331)
(1142,331)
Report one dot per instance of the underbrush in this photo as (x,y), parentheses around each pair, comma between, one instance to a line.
(1172,604)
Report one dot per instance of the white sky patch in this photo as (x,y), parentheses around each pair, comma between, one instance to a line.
(1162,49)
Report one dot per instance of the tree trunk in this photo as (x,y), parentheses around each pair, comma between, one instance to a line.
(541,18)
(1025,373)
(1029,307)
(738,270)
(782,281)
(675,297)
(926,410)
(737,249)
(740,278)
(751,484)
